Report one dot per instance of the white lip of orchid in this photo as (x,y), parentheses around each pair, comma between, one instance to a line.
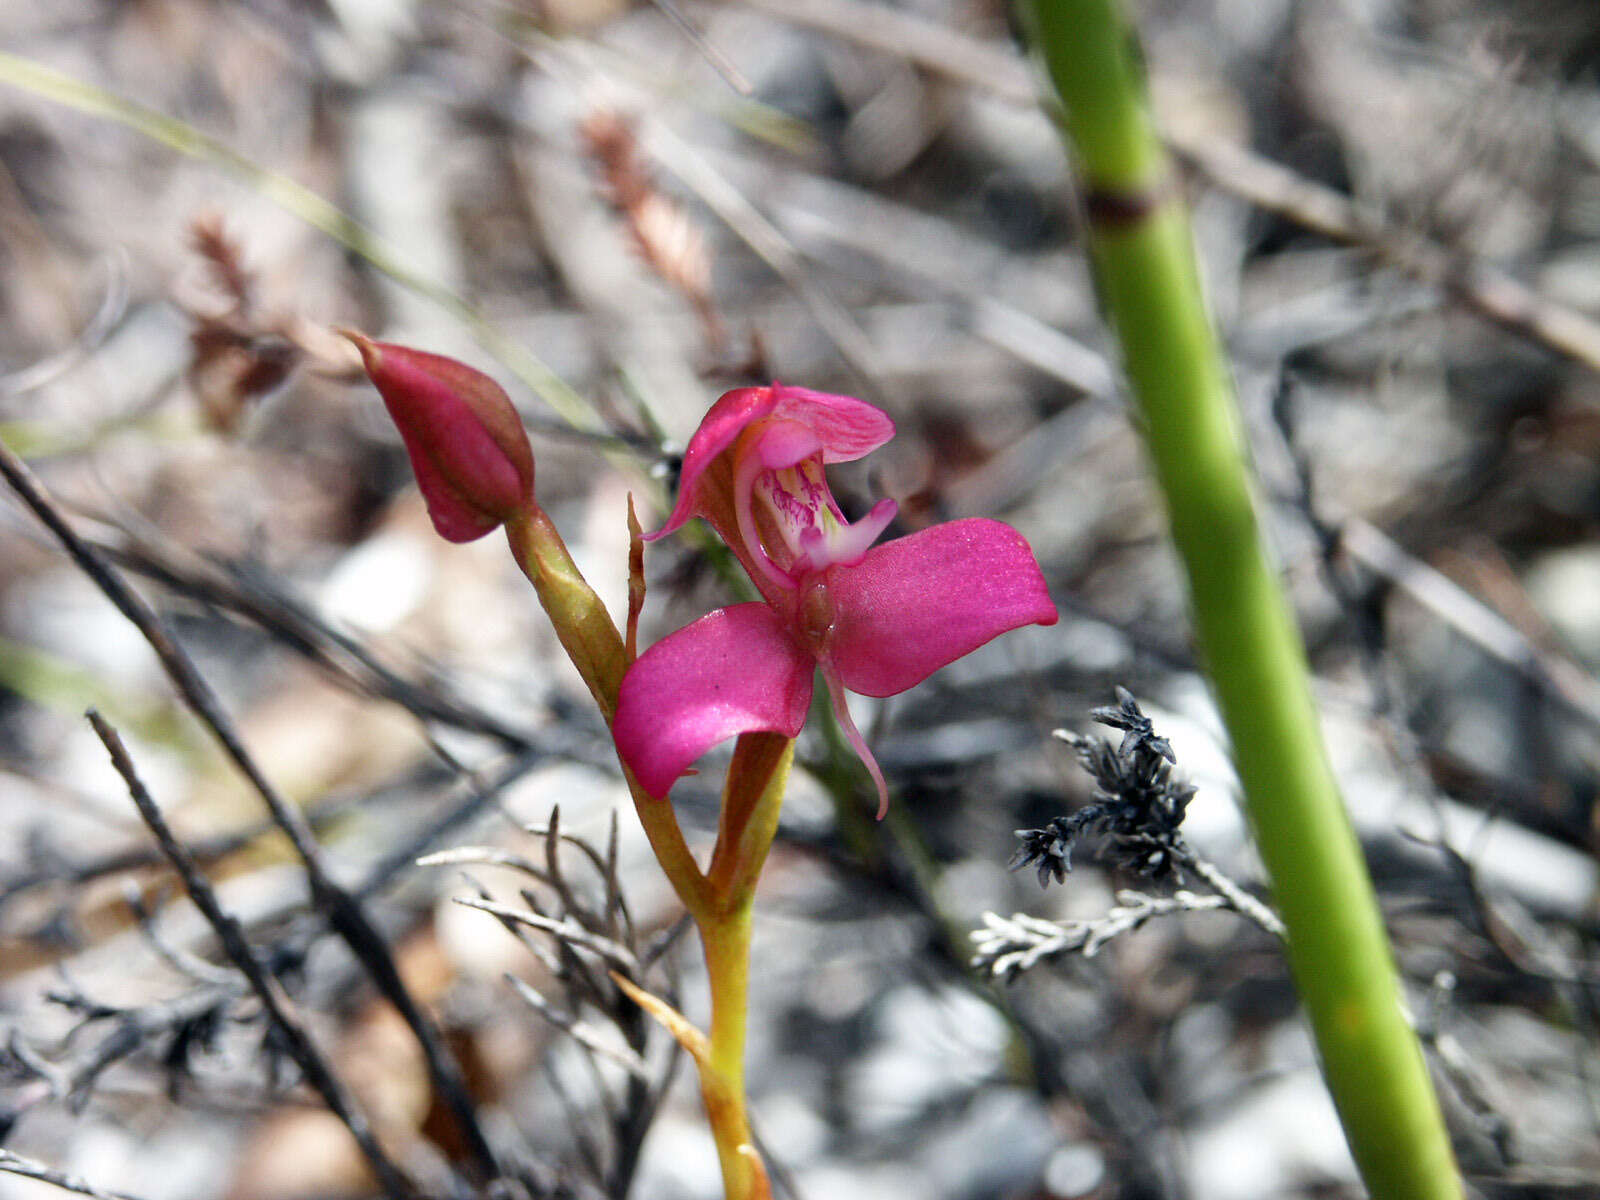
(814,532)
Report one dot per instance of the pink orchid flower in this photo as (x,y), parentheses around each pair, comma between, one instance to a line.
(873,620)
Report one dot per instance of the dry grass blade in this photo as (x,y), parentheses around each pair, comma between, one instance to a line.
(318,1070)
(579,1032)
(566,932)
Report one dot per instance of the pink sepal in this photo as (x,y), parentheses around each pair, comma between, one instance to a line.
(915,604)
(733,671)
(845,427)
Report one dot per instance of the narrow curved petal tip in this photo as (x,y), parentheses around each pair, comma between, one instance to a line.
(847,428)
(852,734)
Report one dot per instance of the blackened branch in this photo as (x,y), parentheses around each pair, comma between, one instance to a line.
(344,912)
(1137,809)
(279,1007)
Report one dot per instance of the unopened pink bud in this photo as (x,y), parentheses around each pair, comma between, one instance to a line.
(467,444)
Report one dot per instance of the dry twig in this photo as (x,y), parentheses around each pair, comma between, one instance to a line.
(27,1168)
(318,1070)
(343,910)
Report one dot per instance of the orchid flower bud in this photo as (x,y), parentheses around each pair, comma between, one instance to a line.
(467,444)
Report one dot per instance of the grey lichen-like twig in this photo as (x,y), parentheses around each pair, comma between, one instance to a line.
(1234,897)
(1007,946)
(1137,810)
(578,930)
(568,932)
(579,1031)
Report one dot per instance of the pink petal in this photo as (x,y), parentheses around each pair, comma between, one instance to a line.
(733,671)
(780,443)
(918,603)
(847,428)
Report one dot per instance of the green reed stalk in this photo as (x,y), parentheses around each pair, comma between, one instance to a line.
(1149,285)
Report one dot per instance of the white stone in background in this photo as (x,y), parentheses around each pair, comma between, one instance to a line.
(82,767)
(1565,586)
(117,1155)
(598,537)
(975,885)
(587,798)
(839,988)
(853,1181)
(1074,1170)
(997,1147)
(1269,1142)
(808,807)
(951,743)
(1202,1068)
(787,1117)
(679,1160)
(404,150)
(379,583)
(139,360)
(369,38)
(1093,647)
(932,1044)
(67,617)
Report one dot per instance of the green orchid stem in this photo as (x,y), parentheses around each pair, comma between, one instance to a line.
(719,899)
(752,798)
(727,948)
(1148,279)
(584,627)
(590,637)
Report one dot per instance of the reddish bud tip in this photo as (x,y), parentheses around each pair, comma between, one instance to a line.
(467,444)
